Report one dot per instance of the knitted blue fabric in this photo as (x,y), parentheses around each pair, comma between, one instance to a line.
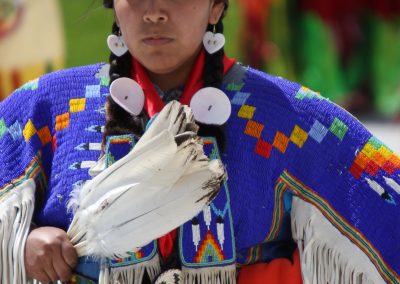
(283,140)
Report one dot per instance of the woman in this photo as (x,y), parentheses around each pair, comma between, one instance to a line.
(287,151)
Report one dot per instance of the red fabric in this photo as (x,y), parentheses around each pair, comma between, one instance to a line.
(153,104)
(278,271)
(166,244)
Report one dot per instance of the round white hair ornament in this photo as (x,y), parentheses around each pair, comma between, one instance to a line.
(211,106)
(128,94)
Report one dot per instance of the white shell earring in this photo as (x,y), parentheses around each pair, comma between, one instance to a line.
(128,94)
(211,106)
(213,41)
(117,44)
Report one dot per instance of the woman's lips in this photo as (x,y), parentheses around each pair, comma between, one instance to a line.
(156,41)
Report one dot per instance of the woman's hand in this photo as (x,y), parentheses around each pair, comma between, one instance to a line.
(49,255)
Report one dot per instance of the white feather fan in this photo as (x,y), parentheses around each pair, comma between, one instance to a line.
(164,181)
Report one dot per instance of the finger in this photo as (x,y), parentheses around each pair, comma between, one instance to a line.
(42,277)
(69,254)
(51,273)
(60,266)
(63,271)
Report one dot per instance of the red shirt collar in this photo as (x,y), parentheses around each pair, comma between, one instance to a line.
(153,103)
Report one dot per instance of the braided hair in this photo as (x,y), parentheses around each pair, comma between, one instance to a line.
(121,122)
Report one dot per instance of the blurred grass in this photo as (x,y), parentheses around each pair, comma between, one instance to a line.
(87,24)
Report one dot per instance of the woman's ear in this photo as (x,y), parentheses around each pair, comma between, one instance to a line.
(216,12)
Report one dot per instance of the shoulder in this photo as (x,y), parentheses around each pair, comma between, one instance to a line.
(249,88)
(80,73)
(246,84)
(63,80)
(60,92)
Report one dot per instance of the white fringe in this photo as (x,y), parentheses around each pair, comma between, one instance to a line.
(326,255)
(16,210)
(132,274)
(210,275)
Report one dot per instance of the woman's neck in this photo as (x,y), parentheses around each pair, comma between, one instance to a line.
(174,79)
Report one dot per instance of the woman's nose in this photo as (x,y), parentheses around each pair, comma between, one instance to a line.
(154,12)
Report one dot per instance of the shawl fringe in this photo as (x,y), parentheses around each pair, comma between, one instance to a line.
(130,274)
(326,255)
(210,275)
(16,211)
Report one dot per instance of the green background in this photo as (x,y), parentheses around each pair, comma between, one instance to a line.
(87,25)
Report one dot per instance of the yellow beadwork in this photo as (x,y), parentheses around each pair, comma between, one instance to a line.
(298,136)
(29,130)
(77,105)
(246,112)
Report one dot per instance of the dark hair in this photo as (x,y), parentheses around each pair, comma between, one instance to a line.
(121,122)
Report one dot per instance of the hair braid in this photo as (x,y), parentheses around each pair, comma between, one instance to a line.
(214,65)
(120,121)
(213,75)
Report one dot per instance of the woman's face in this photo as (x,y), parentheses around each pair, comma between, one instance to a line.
(164,35)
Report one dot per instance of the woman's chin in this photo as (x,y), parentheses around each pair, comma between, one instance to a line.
(160,68)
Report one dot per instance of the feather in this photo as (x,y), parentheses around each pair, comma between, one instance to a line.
(164,181)
(152,140)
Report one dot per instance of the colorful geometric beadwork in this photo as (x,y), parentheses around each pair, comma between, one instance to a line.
(373,157)
(263,148)
(31,86)
(339,128)
(281,142)
(105,81)
(209,250)
(62,121)
(246,112)
(92,91)
(29,130)
(254,129)
(209,241)
(44,135)
(133,256)
(118,146)
(82,165)
(369,150)
(95,128)
(379,159)
(318,131)
(3,127)
(15,130)
(234,87)
(372,168)
(240,98)
(307,93)
(88,147)
(298,136)
(77,105)
(103,75)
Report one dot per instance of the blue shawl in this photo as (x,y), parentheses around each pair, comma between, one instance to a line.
(289,150)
